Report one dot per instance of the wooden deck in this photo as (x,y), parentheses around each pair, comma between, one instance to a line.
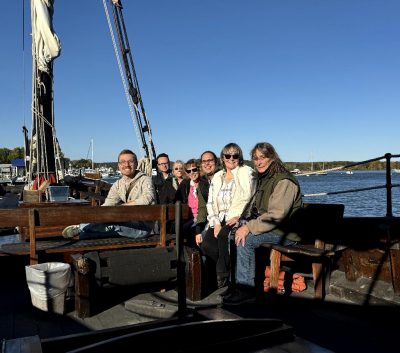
(361,314)
(336,324)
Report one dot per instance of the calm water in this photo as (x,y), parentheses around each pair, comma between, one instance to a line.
(363,203)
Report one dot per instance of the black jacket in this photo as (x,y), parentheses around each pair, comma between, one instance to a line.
(164,189)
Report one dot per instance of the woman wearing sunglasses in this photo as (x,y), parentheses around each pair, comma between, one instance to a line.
(230,190)
(187,193)
(178,172)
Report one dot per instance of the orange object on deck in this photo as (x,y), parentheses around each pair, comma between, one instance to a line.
(40,180)
(298,284)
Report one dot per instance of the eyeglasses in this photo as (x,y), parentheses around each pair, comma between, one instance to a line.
(206,161)
(194,170)
(229,156)
(181,169)
(126,162)
(163,164)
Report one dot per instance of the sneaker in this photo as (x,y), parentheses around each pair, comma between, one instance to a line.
(71,231)
(240,296)
(222,282)
(227,291)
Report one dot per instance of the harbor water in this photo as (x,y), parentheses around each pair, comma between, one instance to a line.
(357,204)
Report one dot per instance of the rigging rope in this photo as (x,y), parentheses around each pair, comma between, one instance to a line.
(23,64)
(133,110)
(348,191)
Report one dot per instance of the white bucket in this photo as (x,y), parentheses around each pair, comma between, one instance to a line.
(48,283)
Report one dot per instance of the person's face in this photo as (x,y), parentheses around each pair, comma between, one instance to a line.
(127,164)
(208,163)
(163,164)
(177,170)
(231,159)
(261,163)
(193,172)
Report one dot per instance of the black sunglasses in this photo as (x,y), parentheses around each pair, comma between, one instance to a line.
(229,156)
(194,170)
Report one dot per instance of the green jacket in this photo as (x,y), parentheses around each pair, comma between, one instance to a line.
(277,213)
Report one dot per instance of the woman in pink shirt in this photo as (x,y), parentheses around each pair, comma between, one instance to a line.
(187,194)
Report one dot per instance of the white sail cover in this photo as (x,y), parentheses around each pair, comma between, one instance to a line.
(45,43)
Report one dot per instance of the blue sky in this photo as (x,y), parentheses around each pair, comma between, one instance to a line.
(319,79)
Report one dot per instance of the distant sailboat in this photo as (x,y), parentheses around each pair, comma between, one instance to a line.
(312,171)
(92,173)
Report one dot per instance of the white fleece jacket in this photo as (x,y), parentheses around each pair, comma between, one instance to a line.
(243,190)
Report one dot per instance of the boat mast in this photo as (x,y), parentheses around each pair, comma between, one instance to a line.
(92,156)
(45,48)
(129,78)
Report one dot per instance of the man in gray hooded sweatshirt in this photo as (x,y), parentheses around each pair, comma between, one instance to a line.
(134,188)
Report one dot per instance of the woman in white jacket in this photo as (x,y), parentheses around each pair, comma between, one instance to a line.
(230,190)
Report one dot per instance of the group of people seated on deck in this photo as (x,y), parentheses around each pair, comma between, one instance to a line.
(229,202)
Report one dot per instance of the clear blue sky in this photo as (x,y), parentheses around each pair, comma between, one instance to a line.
(319,79)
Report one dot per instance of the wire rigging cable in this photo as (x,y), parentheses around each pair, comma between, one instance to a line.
(129,79)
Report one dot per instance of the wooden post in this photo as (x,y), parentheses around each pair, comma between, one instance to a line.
(180,261)
(32,237)
(275,263)
(82,285)
(395,267)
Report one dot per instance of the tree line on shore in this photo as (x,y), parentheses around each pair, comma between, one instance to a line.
(7,155)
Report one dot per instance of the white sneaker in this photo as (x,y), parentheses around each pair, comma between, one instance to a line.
(71,231)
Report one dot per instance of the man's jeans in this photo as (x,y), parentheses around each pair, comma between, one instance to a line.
(246,256)
(135,230)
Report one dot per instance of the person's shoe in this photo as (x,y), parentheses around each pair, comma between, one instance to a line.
(71,231)
(222,282)
(227,291)
(240,296)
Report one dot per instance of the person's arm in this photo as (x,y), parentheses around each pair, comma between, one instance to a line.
(113,198)
(201,219)
(146,195)
(211,207)
(279,205)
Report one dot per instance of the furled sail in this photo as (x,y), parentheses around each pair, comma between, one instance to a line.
(44,153)
(45,43)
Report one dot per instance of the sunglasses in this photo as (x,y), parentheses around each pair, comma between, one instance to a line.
(229,156)
(178,168)
(194,170)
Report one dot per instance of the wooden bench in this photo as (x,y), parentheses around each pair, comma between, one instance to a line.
(43,231)
(318,224)
(11,218)
(36,219)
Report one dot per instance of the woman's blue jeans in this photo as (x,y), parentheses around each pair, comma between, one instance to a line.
(135,230)
(246,256)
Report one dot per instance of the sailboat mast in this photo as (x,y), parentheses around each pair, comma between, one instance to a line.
(45,48)
(92,155)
